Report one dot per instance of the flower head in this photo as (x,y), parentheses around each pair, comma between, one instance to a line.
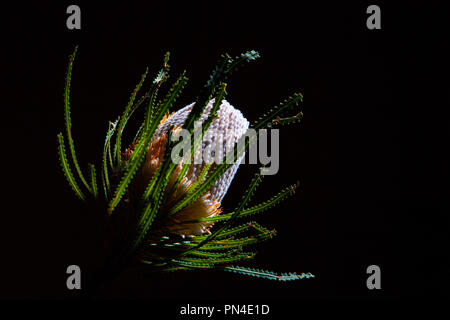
(220,138)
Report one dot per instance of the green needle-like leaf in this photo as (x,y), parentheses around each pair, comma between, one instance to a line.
(201,177)
(130,170)
(282,195)
(66,168)
(106,153)
(266,120)
(264,274)
(236,230)
(68,120)
(150,112)
(199,262)
(167,103)
(288,120)
(156,195)
(93,176)
(124,119)
(209,181)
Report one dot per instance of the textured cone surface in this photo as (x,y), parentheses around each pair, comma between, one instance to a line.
(220,138)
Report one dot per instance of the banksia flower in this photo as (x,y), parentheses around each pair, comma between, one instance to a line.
(220,138)
(166,207)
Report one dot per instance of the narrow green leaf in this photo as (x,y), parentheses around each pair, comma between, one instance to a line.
(124,119)
(215,108)
(200,190)
(228,243)
(161,77)
(167,103)
(188,261)
(68,122)
(193,187)
(156,195)
(66,168)
(106,153)
(132,111)
(238,150)
(181,175)
(264,274)
(235,231)
(130,170)
(225,67)
(241,60)
(93,180)
(196,143)
(256,180)
(282,195)
(151,185)
(215,80)
(267,119)
(150,211)
(288,120)
(208,254)
(173,93)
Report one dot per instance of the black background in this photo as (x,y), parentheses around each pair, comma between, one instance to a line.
(368,154)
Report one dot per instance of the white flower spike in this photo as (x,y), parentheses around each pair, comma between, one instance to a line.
(223,133)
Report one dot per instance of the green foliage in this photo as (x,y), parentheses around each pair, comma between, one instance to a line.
(221,73)
(288,120)
(264,274)
(245,199)
(215,108)
(264,206)
(267,119)
(142,240)
(202,188)
(160,78)
(211,262)
(93,177)
(124,119)
(154,199)
(68,121)
(130,170)
(66,168)
(106,156)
